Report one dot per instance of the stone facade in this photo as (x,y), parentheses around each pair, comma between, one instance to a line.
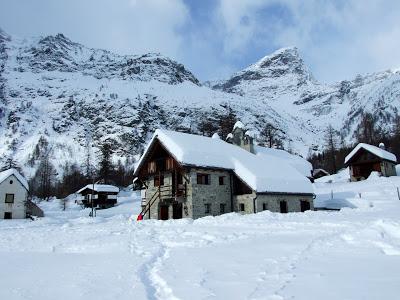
(18,208)
(270,202)
(216,196)
(214,199)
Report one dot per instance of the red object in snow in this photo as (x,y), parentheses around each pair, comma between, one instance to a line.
(139,217)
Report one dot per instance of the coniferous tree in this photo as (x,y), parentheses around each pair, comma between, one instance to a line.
(226,121)
(11,163)
(331,146)
(106,167)
(367,131)
(43,183)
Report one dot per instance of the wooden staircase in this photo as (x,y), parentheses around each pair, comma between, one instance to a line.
(163,193)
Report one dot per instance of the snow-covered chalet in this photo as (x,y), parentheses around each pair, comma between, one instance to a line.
(104,195)
(365,158)
(185,175)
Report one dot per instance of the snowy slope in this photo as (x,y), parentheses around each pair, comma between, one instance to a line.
(262,256)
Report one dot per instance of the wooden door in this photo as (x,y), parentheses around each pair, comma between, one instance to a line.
(164,212)
(177,211)
(305,205)
(283,207)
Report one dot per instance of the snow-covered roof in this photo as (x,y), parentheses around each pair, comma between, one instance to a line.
(316,171)
(374,150)
(100,188)
(7,173)
(262,173)
(300,164)
(215,136)
(238,124)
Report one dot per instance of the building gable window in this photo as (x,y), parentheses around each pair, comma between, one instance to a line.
(158,180)
(9,198)
(241,206)
(221,180)
(203,178)
(207,208)
(222,208)
(151,167)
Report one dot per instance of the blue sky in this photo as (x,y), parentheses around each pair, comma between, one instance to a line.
(214,38)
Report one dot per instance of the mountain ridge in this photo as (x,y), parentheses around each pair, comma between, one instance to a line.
(54,89)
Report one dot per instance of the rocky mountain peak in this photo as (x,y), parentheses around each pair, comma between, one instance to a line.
(284,65)
(4,36)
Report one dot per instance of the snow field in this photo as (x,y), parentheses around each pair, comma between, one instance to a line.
(351,254)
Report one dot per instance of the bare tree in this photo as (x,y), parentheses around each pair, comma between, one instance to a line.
(269,136)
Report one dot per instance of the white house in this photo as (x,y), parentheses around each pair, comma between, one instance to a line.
(13,195)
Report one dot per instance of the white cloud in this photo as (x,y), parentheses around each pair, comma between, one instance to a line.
(125,26)
(337,38)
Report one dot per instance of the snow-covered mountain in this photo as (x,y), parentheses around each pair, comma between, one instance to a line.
(282,81)
(59,93)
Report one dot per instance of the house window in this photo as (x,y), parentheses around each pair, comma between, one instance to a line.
(221,180)
(304,205)
(207,208)
(151,167)
(203,178)
(265,206)
(7,215)
(241,206)
(169,163)
(158,180)
(222,208)
(11,181)
(9,198)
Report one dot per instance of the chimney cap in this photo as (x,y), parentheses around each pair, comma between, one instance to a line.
(382,146)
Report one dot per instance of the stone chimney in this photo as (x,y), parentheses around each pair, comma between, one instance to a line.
(241,138)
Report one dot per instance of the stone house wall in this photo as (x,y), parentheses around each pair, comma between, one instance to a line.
(213,194)
(272,202)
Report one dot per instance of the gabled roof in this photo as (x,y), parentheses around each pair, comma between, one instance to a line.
(386,155)
(7,173)
(100,188)
(263,173)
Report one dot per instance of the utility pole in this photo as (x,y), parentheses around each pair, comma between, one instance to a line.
(92,202)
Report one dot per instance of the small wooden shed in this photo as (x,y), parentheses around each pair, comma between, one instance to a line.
(104,195)
(365,158)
